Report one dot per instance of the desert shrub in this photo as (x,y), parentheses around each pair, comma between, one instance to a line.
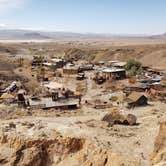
(38,59)
(20,62)
(114,98)
(131,63)
(33,87)
(154,111)
(133,67)
(40,73)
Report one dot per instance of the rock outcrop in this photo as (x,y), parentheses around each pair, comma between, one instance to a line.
(38,152)
(158,156)
(56,152)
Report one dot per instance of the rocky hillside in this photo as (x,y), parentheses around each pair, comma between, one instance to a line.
(146,54)
(57,151)
(93,51)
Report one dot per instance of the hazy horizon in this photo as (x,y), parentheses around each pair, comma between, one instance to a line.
(114,17)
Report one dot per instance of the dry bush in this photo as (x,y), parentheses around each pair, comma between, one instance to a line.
(33,87)
(113,98)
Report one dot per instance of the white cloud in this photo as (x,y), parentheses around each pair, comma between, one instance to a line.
(7,5)
(6,26)
(2,25)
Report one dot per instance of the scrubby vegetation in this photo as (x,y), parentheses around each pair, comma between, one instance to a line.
(133,67)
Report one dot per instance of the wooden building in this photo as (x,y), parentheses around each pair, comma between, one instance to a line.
(137,87)
(136,99)
(59,63)
(114,73)
(119,64)
(70,69)
(86,67)
(49,102)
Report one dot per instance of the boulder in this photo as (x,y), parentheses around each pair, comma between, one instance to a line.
(117,118)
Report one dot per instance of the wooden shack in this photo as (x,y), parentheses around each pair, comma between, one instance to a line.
(136,99)
(59,63)
(49,102)
(86,67)
(114,73)
(119,64)
(70,70)
(138,87)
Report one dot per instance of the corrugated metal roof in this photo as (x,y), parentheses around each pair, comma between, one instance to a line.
(112,70)
(49,103)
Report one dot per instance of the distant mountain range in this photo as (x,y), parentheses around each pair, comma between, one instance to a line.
(13,34)
(21,34)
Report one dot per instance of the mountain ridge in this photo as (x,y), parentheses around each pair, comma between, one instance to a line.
(34,34)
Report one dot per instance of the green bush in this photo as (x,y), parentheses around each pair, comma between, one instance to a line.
(133,67)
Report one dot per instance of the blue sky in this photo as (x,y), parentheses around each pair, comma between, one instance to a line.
(96,16)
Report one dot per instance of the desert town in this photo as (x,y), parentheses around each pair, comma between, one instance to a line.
(82,83)
(72,83)
(95,112)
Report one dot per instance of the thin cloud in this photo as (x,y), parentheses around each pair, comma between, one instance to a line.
(7,5)
(6,26)
(2,25)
